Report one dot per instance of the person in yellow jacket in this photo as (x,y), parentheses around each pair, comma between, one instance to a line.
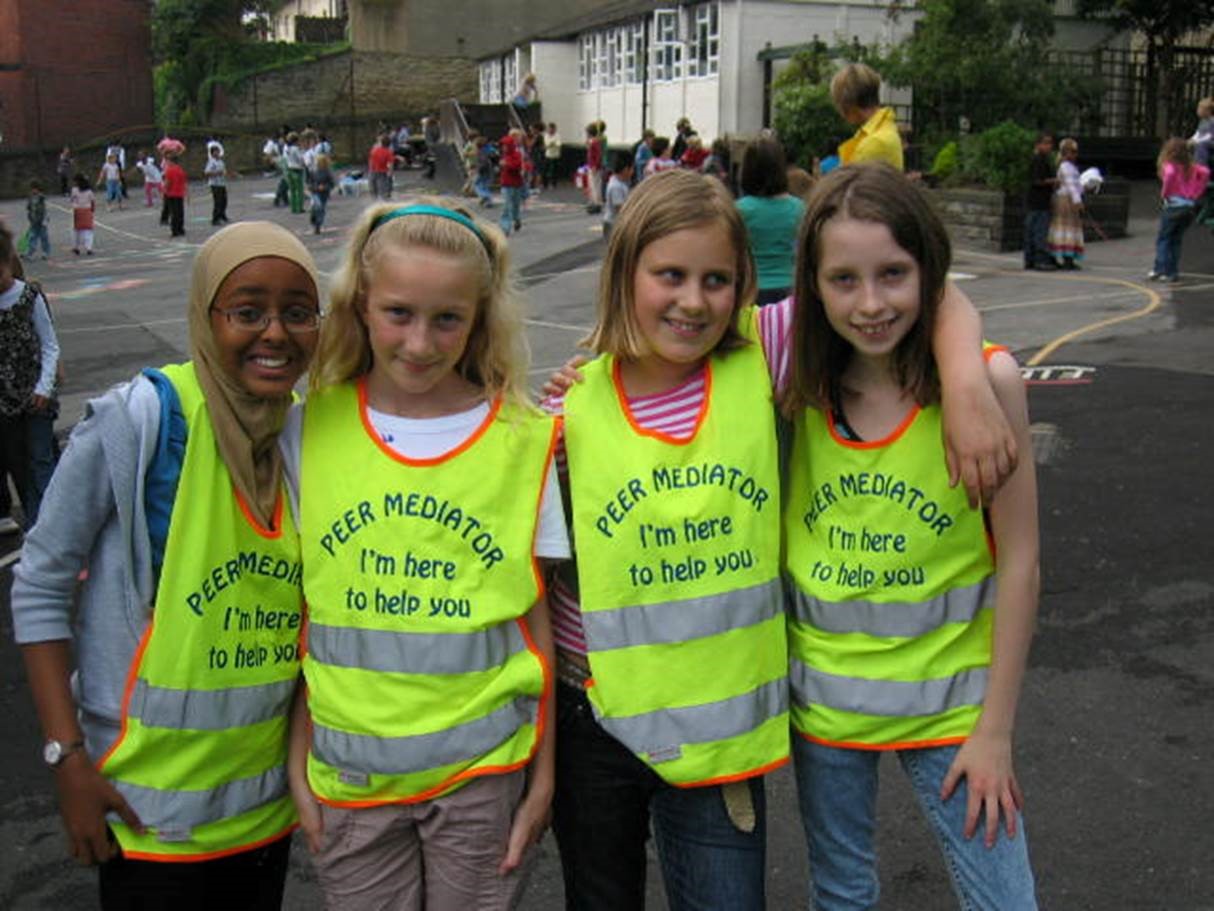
(855,90)
(910,613)
(169,740)
(422,761)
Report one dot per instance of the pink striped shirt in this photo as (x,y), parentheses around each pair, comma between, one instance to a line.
(674,413)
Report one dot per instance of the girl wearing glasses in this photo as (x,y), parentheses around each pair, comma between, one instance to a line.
(168,741)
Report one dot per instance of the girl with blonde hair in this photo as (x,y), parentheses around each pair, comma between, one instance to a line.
(422,762)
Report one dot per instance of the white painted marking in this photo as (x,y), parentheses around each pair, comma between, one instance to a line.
(1047,301)
(961,276)
(10,558)
(547,325)
(114,327)
(544,276)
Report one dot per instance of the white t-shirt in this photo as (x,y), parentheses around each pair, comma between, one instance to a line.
(426,438)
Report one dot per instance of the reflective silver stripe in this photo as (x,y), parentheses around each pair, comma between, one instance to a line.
(209,710)
(415,653)
(404,755)
(665,728)
(894,698)
(188,809)
(895,618)
(682,621)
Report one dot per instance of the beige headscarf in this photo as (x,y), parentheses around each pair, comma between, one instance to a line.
(246,426)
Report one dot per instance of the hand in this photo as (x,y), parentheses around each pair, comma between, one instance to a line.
(979,444)
(564,377)
(39,402)
(530,820)
(985,761)
(85,797)
(311,823)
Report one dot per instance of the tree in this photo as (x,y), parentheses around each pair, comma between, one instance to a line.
(984,61)
(1163,23)
(804,116)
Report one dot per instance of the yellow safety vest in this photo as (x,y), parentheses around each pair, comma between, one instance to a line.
(201,756)
(421,671)
(893,589)
(678,547)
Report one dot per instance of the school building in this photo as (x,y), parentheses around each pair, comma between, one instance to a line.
(646,63)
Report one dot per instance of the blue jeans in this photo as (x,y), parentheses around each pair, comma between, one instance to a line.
(1173,222)
(606,799)
(43,455)
(1036,229)
(838,794)
(484,190)
(512,208)
(39,235)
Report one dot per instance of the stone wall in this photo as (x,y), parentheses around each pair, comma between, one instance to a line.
(342,90)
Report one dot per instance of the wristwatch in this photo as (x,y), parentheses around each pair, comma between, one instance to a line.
(55,751)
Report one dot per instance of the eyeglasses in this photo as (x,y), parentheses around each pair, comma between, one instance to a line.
(295,319)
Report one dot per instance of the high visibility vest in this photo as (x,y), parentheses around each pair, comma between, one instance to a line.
(201,756)
(678,572)
(891,611)
(420,667)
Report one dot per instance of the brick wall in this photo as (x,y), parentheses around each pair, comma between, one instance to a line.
(73,69)
(384,85)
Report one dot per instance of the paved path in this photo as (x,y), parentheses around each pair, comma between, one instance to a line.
(1115,737)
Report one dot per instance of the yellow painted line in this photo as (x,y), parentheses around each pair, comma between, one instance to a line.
(1154,302)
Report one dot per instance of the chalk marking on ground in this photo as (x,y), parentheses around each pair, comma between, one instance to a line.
(544,276)
(544,324)
(1046,301)
(98,223)
(114,327)
(1154,302)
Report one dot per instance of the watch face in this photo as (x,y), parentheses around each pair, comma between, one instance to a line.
(52,752)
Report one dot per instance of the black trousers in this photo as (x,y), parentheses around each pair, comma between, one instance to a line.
(176,209)
(249,881)
(219,205)
(15,459)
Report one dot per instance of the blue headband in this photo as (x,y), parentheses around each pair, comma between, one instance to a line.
(440,212)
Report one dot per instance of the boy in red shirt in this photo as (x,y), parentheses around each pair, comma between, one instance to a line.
(175,183)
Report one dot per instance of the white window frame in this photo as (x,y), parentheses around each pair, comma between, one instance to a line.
(509,75)
(667,46)
(486,80)
(495,83)
(704,40)
(634,53)
(585,62)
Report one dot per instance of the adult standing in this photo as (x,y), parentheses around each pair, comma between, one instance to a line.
(552,156)
(1042,181)
(168,743)
(772,216)
(1203,138)
(594,168)
(855,91)
(65,168)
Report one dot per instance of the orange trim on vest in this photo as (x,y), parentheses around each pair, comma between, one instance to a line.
(268,533)
(210,855)
(657,434)
(991,350)
(391,453)
(132,676)
(740,776)
(893,436)
(885,747)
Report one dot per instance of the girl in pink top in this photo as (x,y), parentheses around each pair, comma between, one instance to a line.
(1184,183)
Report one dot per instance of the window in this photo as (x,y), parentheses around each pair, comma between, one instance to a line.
(634,53)
(704,48)
(667,46)
(509,75)
(486,81)
(491,82)
(613,71)
(585,62)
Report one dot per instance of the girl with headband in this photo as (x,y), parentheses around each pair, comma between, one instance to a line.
(169,740)
(422,759)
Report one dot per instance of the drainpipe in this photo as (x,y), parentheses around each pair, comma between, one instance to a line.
(645,74)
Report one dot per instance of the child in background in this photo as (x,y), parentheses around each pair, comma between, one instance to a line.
(1037,204)
(1065,237)
(469,156)
(216,173)
(916,646)
(552,156)
(648,644)
(513,181)
(1183,183)
(594,167)
(422,761)
(322,186)
(617,190)
(176,185)
(83,204)
(1203,137)
(35,212)
(695,153)
(152,178)
(29,358)
(661,160)
(110,177)
(642,153)
(486,162)
(717,163)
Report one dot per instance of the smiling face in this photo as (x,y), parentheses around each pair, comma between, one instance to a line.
(420,311)
(266,362)
(684,296)
(868,284)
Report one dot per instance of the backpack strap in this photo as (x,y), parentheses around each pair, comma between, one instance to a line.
(164,471)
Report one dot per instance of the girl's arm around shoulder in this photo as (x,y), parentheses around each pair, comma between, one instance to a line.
(985,761)
(534,811)
(980,447)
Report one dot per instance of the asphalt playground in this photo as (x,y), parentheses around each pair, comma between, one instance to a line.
(1114,741)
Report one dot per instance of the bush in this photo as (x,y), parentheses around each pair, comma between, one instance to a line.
(998,157)
(807,121)
(945,164)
